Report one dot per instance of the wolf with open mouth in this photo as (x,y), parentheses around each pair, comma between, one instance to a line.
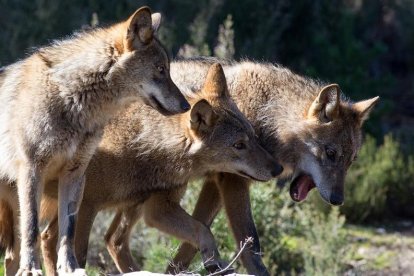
(310,127)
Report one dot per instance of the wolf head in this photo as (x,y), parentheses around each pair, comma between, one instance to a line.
(331,138)
(223,138)
(143,64)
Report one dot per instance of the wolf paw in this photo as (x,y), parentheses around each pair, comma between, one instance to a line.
(76,272)
(218,265)
(67,264)
(29,272)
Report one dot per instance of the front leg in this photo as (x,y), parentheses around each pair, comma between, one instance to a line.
(9,220)
(70,196)
(49,240)
(117,238)
(71,186)
(162,210)
(234,191)
(207,207)
(29,189)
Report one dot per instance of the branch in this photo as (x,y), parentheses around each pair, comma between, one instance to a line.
(243,246)
(248,240)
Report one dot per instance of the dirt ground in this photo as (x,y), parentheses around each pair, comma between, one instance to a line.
(381,250)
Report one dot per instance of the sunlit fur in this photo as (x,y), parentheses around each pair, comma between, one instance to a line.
(53,107)
(277,102)
(145,161)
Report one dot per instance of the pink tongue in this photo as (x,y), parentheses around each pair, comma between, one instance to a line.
(304,187)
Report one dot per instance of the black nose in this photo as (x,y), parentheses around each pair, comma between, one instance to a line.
(185,106)
(336,199)
(277,169)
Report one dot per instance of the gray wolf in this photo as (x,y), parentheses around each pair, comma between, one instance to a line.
(54,105)
(144,162)
(309,126)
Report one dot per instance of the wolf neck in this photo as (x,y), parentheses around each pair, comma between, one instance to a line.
(80,70)
(164,139)
(275,100)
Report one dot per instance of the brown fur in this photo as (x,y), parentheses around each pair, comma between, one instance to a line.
(6,227)
(54,105)
(298,120)
(295,119)
(144,161)
(277,102)
(9,235)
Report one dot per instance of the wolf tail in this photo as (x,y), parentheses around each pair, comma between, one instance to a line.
(6,227)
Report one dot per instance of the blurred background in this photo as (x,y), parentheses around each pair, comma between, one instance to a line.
(367,46)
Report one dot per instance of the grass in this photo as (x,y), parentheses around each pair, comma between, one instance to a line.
(1,266)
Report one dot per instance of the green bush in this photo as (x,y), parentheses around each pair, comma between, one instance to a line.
(379,180)
(297,237)
(324,242)
(292,235)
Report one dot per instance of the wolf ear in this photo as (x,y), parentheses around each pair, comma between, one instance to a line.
(325,107)
(215,84)
(363,108)
(139,29)
(156,21)
(202,117)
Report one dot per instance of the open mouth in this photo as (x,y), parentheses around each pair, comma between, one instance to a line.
(153,102)
(242,173)
(301,186)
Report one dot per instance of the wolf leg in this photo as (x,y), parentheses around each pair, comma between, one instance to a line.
(29,189)
(9,227)
(117,238)
(12,258)
(162,210)
(71,186)
(207,207)
(49,238)
(86,218)
(70,195)
(234,191)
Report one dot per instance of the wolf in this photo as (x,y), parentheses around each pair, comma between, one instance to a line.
(308,125)
(144,163)
(54,105)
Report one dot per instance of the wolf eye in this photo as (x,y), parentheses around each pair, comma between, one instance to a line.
(330,153)
(239,145)
(161,69)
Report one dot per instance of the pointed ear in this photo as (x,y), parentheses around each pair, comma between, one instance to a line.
(202,117)
(156,21)
(139,29)
(325,107)
(215,84)
(363,108)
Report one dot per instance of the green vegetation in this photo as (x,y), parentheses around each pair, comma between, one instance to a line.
(380,182)
(1,267)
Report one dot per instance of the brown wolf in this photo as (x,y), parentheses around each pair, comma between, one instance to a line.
(144,162)
(308,126)
(54,105)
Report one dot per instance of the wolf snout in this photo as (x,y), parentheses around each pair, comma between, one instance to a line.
(276,169)
(336,199)
(185,106)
